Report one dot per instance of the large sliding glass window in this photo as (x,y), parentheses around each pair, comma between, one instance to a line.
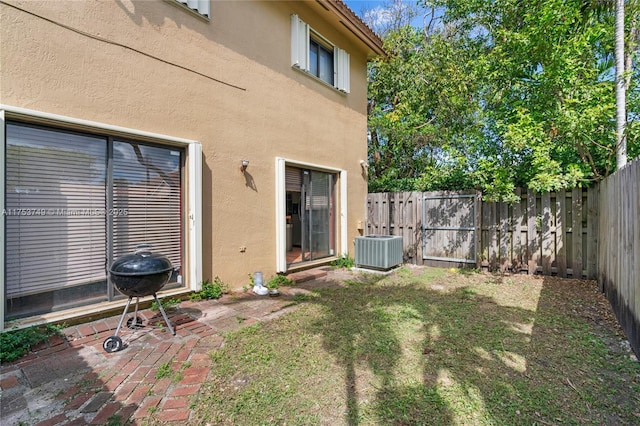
(75,202)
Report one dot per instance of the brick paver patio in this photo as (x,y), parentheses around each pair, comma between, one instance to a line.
(156,376)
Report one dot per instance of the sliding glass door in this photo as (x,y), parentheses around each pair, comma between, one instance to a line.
(317,219)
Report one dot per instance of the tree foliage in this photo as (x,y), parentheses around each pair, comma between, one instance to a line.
(500,94)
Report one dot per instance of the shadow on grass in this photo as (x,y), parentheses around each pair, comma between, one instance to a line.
(439,357)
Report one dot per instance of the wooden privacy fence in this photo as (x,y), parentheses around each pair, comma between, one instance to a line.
(619,247)
(551,233)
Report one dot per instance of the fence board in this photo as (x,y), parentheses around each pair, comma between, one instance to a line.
(504,236)
(546,239)
(419,229)
(635,260)
(519,248)
(532,253)
(395,206)
(576,232)
(407,214)
(492,235)
(561,229)
(478,225)
(592,233)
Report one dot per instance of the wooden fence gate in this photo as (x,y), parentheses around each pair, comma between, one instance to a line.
(450,228)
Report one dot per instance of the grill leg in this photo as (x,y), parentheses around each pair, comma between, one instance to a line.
(135,312)
(126,308)
(164,315)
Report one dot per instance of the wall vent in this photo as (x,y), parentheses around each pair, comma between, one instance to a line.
(378,251)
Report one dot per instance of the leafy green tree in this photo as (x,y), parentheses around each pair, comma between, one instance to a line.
(421,101)
(500,94)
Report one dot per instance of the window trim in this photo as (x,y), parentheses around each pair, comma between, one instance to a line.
(301,35)
(281,208)
(193,176)
(2,217)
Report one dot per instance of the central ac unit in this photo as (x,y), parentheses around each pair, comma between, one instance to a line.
(378,251)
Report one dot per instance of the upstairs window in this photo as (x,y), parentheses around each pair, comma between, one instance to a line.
(321,61)
(317,56)
(198,6)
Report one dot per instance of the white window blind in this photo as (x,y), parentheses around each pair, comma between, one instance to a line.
(318,195)
(147,199)
(55,205)
(299,43)
(200,6)
(293,179)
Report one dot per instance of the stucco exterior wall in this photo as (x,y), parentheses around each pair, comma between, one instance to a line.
(233,90)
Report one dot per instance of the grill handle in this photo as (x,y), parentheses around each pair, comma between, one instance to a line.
(142,248)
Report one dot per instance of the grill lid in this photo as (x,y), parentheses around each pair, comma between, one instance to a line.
(142,262)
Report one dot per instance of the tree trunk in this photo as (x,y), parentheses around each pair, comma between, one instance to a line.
(621,110)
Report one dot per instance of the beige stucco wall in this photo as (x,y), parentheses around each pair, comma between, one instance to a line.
(243,100)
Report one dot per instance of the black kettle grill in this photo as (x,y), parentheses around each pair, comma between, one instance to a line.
(139,274)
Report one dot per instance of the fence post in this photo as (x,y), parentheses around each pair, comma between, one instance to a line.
(478,242)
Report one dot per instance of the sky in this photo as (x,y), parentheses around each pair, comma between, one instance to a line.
(377,8)
(360,5)
(372,6)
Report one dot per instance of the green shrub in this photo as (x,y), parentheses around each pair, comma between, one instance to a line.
(277,281)
(344,262)
(14,344)
(210,290)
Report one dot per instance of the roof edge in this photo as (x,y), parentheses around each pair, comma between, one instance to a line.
(356,25)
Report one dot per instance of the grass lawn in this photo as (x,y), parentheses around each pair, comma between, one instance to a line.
(429,346)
